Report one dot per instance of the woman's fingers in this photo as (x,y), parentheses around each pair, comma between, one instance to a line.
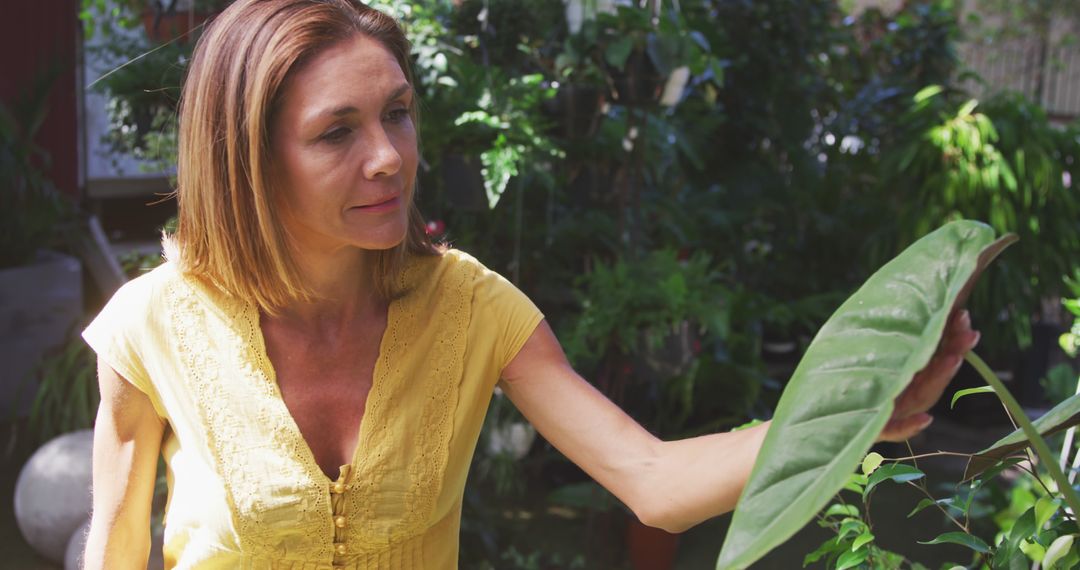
(900,429)
(930,383)
(959,337)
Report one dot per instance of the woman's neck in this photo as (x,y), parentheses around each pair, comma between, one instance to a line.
(344,287)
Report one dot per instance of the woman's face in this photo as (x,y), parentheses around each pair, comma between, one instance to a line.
(344,149)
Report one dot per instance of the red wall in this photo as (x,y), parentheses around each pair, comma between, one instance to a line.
(34,33)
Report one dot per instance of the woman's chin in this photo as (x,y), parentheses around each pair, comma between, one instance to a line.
(381,242)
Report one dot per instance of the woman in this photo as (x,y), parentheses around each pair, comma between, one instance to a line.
(314,370)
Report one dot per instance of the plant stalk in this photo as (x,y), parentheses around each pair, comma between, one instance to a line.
(1067,445)
(1041,449)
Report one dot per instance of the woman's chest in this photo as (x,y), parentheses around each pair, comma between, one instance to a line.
(326,392)
(279,496)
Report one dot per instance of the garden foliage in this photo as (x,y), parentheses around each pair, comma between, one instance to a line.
(842,393)
(682,185)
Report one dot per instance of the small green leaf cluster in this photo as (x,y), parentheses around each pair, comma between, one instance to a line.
(607,43)
(1033,526)
(67,393)
(853,546)
(509,109)
(634,304)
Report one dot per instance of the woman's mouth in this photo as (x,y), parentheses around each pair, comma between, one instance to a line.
(385,206)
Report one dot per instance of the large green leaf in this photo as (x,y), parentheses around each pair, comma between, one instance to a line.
(842,392)
(1060,417)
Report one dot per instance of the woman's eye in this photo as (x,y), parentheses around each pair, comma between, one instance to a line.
(336,135)
(397,115)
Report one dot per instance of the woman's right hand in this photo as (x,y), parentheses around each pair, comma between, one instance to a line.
(127,442)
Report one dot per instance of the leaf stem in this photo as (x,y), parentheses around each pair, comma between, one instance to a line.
(944,511)
(930,454)
(1043,451)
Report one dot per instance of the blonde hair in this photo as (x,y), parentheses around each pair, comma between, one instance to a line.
(229,233)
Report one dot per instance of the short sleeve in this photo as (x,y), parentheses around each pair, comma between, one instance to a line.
(119,335)
(506,312)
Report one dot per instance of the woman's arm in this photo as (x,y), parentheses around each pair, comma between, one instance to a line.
(675,485)
(127,441)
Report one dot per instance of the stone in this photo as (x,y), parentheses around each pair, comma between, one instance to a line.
(52,494)
(73,559)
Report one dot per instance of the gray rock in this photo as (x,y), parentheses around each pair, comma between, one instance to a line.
(52,494)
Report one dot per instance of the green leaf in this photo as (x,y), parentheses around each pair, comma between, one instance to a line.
(618,52)
(851,559)
(856,483)
(967,108)
(1033,550)
(961,393)
(1009,557)
(1059,418)
(851,526)
(841,394)
(841,510)
(828,547)
(996,469)
(871,462)
(896,472)
(1057,550)
(926,503)
(963,539)
(861,540)
(927,92)
(1024,526)
(1045,508)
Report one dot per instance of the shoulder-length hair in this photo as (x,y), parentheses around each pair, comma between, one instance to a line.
(230,233)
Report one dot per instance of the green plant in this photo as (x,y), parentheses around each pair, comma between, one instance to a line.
(30,206)
(634,50)
(67,396)
(1002,162)
(794,477)
(110,17)
(645,321)
(867,352)
(142,97)
(1032,525)
(510,111)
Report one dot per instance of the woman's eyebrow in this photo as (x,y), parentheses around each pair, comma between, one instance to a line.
(401,90)
(350,109)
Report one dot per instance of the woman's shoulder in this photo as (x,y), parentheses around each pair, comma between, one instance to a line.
(457,270)
(432,271)
(146,289)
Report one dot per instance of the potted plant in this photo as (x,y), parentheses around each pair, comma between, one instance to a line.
(648,55)
(142,95)
(582,93)
(40,290)
(643,324)
(162,20)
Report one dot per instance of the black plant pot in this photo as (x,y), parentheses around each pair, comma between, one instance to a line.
(577,110)
(463,182)
(639,83)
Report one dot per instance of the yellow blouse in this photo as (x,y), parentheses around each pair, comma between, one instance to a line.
(245,490)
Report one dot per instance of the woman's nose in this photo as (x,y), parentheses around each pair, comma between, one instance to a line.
(381,157)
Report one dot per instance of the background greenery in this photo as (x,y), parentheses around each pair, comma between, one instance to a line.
(685,243)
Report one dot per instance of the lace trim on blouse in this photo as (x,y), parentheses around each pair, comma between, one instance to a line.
(240,403)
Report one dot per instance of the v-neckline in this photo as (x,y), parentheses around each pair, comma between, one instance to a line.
(307,456)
